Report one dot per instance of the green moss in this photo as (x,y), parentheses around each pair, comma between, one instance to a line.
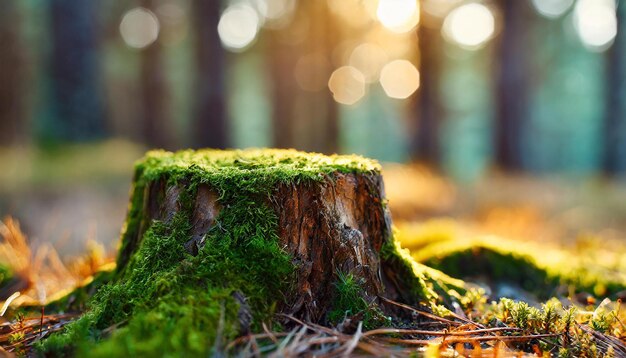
(428,285)
(479,261)
(350,302)
(5,275)
(540,272)
(165,300)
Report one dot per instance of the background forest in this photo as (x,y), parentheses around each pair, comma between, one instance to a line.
(531,91)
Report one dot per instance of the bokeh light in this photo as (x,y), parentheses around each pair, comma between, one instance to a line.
(368,58)
(139,27)
(275,9)
(347,85)
(238,26)
(552,8)
(398,15)
(469,26)
(399,79)
(596,23)
(311,72)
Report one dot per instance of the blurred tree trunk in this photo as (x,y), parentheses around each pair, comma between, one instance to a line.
(209,128)
(12,114)
(281,60)
(332,145)
(303,119)
(425,142)
(156,120)
(332,39)
(76,108)
(513,84)
(615,126)
(327,35)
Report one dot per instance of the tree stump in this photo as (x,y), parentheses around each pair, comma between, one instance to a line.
(327,214)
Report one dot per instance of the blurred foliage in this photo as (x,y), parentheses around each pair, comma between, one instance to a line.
(84,73)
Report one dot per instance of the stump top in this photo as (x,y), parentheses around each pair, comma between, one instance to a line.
(277,164)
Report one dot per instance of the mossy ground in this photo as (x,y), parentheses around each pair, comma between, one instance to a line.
(163,299)
(539,269)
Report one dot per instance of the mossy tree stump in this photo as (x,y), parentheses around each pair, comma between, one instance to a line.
(217,242)
(331,213)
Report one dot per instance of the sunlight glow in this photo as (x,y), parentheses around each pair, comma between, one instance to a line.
(275,9)
(356,13)
(347,85)
(399,79)
(398,15)
(311,72)
(139,27)
(469,26)
(596,23)
(552,8)
(238,27)
(368,58)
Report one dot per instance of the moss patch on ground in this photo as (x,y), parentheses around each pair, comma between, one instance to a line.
(163,299)
(540,269)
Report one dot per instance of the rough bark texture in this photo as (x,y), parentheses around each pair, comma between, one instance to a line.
(338,225)
(335,225)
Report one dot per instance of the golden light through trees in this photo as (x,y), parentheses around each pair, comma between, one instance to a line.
(399,79)
(398,15)
(390,40)
(470,26)
(347,85)
(369,58)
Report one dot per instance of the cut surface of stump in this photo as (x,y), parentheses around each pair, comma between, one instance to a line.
(219,242)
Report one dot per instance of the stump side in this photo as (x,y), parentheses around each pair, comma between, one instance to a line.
(330,228)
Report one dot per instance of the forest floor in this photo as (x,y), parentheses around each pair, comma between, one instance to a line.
(66,198)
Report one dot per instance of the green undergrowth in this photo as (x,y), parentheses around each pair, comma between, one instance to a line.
(164,301)
(436,288)
(538,268)
(569,326)
(350,302)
